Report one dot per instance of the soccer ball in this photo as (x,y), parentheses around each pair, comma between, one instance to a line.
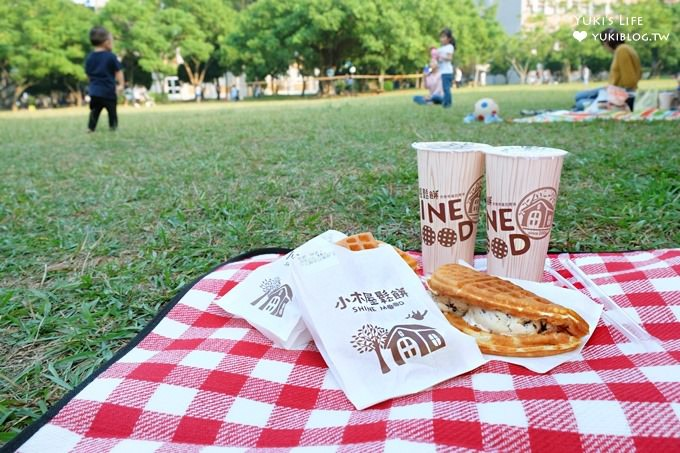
(485,108)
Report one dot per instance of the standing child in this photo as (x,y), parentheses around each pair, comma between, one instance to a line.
(105,74)
(444,57)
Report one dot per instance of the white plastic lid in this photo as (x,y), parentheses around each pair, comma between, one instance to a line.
(531,152)
(460,147)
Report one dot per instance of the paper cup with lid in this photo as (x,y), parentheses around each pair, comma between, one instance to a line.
(449,189)
(522,183)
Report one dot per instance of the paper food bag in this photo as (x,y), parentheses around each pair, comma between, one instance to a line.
(379,331)
(266,299)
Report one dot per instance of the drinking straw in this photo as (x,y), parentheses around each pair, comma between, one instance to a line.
(616,315)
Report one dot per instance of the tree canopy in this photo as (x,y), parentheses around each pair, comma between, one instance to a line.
(40,39)
(377,36)
(43,43)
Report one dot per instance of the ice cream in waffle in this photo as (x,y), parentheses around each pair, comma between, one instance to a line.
(504,318)
(365,241)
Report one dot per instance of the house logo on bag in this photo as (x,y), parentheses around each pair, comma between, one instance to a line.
(275,298)
(404,342)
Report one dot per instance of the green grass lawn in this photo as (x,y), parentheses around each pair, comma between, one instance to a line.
(98,231)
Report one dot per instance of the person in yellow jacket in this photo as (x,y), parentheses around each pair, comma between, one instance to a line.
(625,70)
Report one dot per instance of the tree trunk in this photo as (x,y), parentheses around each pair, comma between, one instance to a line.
(383,365)
(18,91)
(656,63)
(566,69)
(190,74)
(522,70)
(196,76)
(201,74)
(74,93)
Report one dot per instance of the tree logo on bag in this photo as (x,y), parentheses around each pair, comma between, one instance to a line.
(275,297)
(404,342)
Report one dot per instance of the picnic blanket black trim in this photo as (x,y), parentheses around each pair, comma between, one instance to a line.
(30,430)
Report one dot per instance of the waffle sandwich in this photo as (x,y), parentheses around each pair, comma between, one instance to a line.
(365,241)
(504,318)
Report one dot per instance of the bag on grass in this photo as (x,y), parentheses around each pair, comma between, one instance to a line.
(647,100)
(266,299)
(377,328)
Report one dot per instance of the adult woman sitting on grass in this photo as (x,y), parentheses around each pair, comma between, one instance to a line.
(625,71)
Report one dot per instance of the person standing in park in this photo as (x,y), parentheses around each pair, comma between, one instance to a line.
(444,57)
(105,75)
(624,72)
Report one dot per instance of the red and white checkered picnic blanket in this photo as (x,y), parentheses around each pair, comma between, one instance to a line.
(202,379)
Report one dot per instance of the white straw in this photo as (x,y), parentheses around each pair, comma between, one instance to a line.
(623,321)
(628,334)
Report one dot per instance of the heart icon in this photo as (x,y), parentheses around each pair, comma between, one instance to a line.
(579,35)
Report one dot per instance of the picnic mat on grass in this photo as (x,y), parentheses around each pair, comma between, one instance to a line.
(198,379)
(567,116)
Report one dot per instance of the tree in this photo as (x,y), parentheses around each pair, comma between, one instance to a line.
(657,53)
(199,29)
(42,38)
(140,39)
(575,54)
(371,338)
(659,48)
(272,34)
(376,35)
(523,50)
(478,34)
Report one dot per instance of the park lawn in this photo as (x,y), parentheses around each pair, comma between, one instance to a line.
(98,231)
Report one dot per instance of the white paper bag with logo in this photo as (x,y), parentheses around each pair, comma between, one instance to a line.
(266,299)
(375,325)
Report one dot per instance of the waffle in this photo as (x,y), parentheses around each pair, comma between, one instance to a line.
(480,291)
(365,241)
(411,261)
(361,241)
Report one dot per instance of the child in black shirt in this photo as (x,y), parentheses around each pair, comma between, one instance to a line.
(104,72)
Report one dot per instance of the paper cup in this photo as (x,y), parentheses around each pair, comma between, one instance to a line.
(449,188)
(522,183)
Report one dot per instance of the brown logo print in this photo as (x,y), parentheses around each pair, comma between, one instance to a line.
(275,298)
(535,213)
(473,199)
(447,237)
(428,235)
(498,248)
(404,341)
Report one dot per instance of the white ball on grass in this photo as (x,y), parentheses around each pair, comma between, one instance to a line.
(485,108)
